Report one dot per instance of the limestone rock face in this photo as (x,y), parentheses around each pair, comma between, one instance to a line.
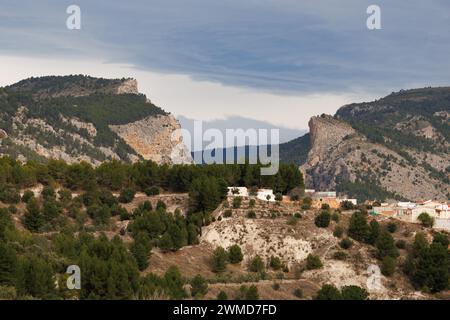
(339,153)
(156,138)
(128,86)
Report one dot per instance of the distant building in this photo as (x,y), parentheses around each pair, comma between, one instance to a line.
(237,192)
(410,211)
(264,193)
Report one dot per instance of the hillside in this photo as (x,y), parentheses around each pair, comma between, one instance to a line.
(79,118)
(395,147)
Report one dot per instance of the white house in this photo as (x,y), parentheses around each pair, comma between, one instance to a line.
(263,193)
(237,192)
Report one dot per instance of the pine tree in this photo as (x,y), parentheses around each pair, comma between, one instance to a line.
(386,245)
(33,219)
(235,254)
(8,264)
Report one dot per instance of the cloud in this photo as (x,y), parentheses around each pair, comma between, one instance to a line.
(181,95)
(285,46)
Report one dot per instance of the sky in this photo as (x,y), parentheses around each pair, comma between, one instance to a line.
(279,61)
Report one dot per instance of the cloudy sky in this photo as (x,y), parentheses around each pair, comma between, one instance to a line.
(280,61)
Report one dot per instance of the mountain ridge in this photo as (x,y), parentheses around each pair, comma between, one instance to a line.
(75,118)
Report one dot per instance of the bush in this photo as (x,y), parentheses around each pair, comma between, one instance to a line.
(252,293)
(13,209)
(346,243)
(227,213)
(386,245)
(388,266)
(325,206)
(276,286)
(278,197)
(27,196)
(391,227)
(306,203)
(124,215)
(354,293)
(298,293)
(401,244)
(313,262)
(426,220)
(219,259)
(152,191)
(339,255)
(328,292)
(275,263)
(251,214)
(347,205)
(322,220)
(9,195)
(237,201)
(256,264)
(127,195)
(222,295)
(160,205)
(358,228)
(335,217)
(292,220)
(235,254)
(338,232)
(199,286)
(298,215)
(252,203)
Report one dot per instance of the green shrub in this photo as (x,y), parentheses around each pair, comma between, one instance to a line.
(251,214)
(354,293)
(199,286)
(252,203)
(313,262)
(339,255)
(256,264)
(227,213)
(127,195)
(391,227)
(388,266)
(298,293)
(328,292)
(426,219)
(322,220)
(237,201)
(401,244)
(275,263)
(338,232)
(222,295)
(219,259)
(27,195)
(346,243)
(235,254)
(152,191)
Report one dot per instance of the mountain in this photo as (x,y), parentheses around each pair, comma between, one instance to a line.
(81,118)
(394,147)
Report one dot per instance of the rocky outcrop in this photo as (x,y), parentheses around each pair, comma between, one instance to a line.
(339,153)
(87,128)
(155,138)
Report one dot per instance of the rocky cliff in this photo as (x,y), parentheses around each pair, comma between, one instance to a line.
(395,147)
(79,118)
(155,138)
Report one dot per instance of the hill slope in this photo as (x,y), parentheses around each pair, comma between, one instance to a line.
(395,147)
(83,118)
